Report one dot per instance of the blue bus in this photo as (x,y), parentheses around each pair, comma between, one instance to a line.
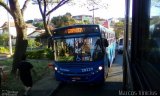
(83,53)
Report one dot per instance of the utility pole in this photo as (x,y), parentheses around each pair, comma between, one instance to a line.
(9,34)
(93,13)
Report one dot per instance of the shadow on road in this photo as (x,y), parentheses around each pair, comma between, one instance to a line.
(109,89)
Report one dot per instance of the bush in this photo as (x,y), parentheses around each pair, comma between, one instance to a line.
(49,54)
(4,50)
(35,54)
(40,54)
(33,44)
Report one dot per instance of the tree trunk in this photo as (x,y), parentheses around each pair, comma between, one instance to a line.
(20,50)
(21,40)
(46,26)
(21,46)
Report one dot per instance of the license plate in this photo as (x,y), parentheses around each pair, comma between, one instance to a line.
(76,78)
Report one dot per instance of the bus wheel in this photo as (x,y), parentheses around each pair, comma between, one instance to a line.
(101,84)
(109,65)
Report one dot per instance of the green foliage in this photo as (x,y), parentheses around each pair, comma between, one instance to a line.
(66,58)
(49,54)
(12,83)
(4,50)
(39,25)
(29,21)
(61,21)
(35,54)
(33,44)
(41,68)
(68,14)
(7,62)
(4,39)
(66,20)
(62,52)
(119,29)
(86,22)
(154,20)
(40,54)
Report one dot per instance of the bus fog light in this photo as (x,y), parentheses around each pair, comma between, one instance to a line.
(100,68)
(55,68)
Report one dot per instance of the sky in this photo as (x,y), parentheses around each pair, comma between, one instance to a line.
(115,9)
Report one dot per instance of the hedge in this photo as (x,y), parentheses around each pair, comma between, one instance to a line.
(40,54)
(4,50)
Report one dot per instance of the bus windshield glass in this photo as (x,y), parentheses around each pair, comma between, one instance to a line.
(78,49)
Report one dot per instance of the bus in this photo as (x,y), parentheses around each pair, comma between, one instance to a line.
(83,53)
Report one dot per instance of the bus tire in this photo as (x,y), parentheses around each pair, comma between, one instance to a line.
(102,83)
(109,65)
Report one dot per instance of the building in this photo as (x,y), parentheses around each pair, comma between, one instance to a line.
(106,24)
(36,33)
(84,18)
(1,31)
(4,28)
(112,21)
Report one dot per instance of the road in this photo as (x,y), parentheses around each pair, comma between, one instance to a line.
(113,84)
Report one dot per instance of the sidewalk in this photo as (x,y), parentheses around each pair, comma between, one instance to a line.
(4,56)
(44,87)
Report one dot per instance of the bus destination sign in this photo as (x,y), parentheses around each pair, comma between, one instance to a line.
(74,30)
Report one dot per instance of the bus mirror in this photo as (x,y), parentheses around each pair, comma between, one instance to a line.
(105,42)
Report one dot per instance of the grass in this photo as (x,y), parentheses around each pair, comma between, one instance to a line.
(13,83)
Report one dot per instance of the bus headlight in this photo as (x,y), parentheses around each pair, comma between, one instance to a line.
(100,68)
(55,68)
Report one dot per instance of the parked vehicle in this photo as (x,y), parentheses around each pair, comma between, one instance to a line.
(120,45)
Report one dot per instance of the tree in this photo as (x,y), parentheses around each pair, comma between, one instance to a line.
(93,5)
(21,40)
(46,8)
(68,14)
(4,39)
(39,25)
(66,20)
(61,21)
(119,29)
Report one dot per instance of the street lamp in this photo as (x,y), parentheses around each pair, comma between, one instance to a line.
(93,13)
(9,34)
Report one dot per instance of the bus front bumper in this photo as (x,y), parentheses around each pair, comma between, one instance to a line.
(80,78)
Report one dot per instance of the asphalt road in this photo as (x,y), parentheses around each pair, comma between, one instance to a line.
(113,84)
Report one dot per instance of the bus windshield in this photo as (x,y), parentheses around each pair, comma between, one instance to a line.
(78,49)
